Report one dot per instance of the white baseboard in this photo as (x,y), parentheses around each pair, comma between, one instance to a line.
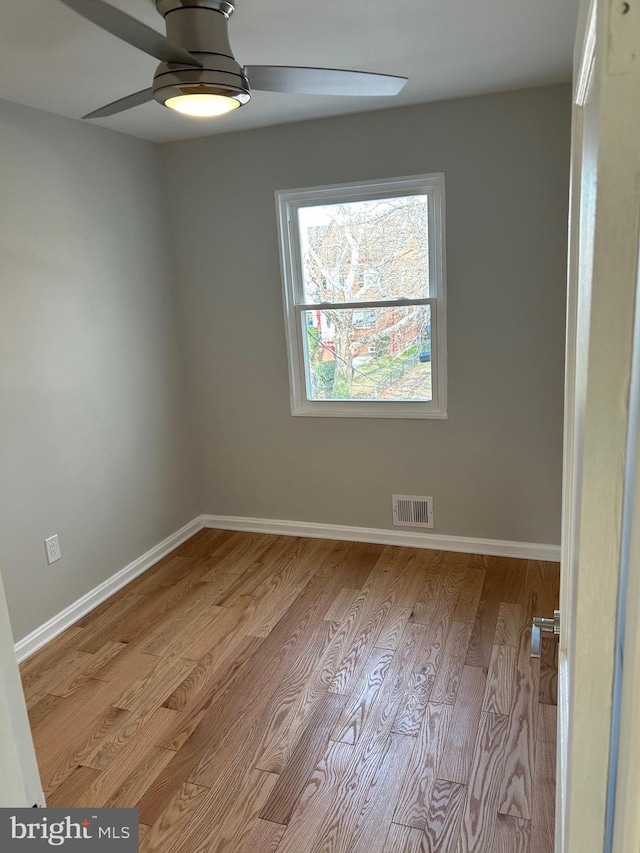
(412,539)
(57,624)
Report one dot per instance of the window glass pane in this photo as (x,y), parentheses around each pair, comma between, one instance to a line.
(365,251)
(383,356)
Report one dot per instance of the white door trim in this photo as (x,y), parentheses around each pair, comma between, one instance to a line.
(20,785)
(599,429)
(583,68)
(624,778)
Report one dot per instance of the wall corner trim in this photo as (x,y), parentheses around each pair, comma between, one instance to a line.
(433,541)
(57,624)
(379,536)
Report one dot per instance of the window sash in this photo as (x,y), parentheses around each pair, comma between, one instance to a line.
(304,362)
(434,228)
(287,203)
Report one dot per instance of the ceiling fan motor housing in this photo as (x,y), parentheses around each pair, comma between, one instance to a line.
(201,27)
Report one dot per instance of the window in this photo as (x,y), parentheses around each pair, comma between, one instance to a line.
(364,296)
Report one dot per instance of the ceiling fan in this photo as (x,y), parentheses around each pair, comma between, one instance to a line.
(198,74)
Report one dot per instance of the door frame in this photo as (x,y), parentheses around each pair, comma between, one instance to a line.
(598,762)
(20,784)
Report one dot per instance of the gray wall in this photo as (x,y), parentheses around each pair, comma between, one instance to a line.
(494,467)
(94,438)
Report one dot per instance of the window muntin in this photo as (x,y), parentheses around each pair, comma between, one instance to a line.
(363,274)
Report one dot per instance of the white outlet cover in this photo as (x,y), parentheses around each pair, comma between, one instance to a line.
(52,547)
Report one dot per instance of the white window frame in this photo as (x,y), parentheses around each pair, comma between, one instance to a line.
(288,203)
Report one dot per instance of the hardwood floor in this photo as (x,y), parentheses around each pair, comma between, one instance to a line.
(264,693)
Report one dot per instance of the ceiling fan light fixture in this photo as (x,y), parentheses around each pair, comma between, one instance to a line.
(202,100)
(202,105)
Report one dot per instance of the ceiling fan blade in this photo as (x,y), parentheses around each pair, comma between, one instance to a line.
(119,106)
(132,31)
(322,81)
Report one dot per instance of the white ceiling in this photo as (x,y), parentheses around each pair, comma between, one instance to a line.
(53,59)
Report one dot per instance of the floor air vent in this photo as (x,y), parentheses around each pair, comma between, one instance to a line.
(411,511)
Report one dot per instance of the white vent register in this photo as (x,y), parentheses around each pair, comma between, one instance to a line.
(412,511)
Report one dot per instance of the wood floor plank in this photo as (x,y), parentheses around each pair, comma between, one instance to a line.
(57,679)
(339,555)
(240,552)
(458,752)
(128,665)
(350,562)
(393,627)
(508,625)
(178,814)
(411,578)
(229,827)
(499,689)
(308,752)
(39,712)
(478,820)
(201,542)
(302,833)
(414,703)
(135,784)
(152,688)
(380,802)
(223,633)
(296,698)
(403,839)
(449,672)
(544,800)
(274,598)
(49,655)
(516,794)
(422,773)
(445,817)
(66,794)
(541,589)
(469,597)
(450,583)
(111,778)
(363,699)
(361,628)
(349,797)
(512,835)
(515,571)
(144,702)
(262,836)
(434,567)
(484,626)
(435,648)
(102,628)
(62,757)
(168,636)
(76,677)
(278,744)
(65,737)
(341,605)
(212,677)
(159,604)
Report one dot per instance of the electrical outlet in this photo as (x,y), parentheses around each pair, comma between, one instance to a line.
(52,547)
